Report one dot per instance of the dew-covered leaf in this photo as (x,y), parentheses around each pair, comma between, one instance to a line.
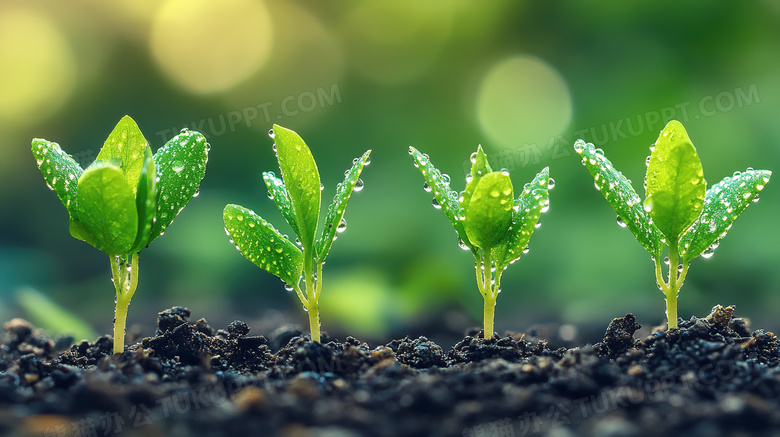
(489,212)
(262,244)
(620,194)
(145,202)
(528,208)
(675,182)
(278,192)
(302,179)
(723,203)
(444,196)
(126,144)
(339,205)
(59,170)
(479,168)
(180,165)
(107,216)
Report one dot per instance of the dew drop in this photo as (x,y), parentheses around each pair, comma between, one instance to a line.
(342,226)
(271,133)
(289,288)
(579,146)
(469,177)
(358,185)
(473,158)
(620,222)
(427,187)
(755,199)
(652,148)
(435,203)
(196,193)
(367,161)
(550,183)
(322,187)
(647,161)
(462,244)
(411,150)
(537,225)
(178,166)
(527,249)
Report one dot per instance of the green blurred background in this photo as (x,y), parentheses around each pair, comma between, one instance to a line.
(524,79)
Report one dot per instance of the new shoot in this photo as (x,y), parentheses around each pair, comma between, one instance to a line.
(678,212)
(489,222)
(297,195)
(126,198)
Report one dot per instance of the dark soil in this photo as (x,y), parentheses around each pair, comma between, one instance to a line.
(711,377)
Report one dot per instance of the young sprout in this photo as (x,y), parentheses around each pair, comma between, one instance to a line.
(488,220)
(678,210)
(126,198)
(297,195)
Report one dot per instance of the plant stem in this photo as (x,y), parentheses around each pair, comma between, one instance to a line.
(488,314)
(673,289)
(124,270)
(312,306)
(490,295)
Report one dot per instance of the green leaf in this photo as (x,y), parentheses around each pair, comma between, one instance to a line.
(489,213)
(526,213)
(723,203)
(145,202)
(180,165)
(479,168)
(107,215)
(126,144)
(302,179)
(675,182)
(59,170)
(278,192)
(262,244)
(620,194)
(339,205)
(444,196)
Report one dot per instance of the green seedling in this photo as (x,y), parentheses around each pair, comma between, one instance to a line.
(678,211)
(488,220)
(297,194)
(126,198)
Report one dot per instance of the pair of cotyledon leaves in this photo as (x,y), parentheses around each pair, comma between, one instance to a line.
(678,208)
(297,194)
(127,197)
(486,216)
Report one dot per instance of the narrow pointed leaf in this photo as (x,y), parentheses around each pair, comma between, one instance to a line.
(445,197)
(526,214)
(620,194)
(724,202)
(59,170)
(180,165)
(338,206)
(302,179)
(107,213)
(262,244)
(145,202)
(126,144)
(281,198)
(675,182)
(479,168)
(489,212)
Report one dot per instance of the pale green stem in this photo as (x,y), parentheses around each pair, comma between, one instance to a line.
(674,287)
(312,306)
(490,295)
(125,283)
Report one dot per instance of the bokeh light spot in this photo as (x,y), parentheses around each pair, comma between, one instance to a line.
(207,46)
(39,68)
(523,100)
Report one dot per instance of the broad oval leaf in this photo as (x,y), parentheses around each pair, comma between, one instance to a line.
(489,212)
(338,206)
(675,182)
(620,194)
(262,244)
(180,165)
(724,202)
(479,168)
(302,179)
(107,215)
(526,213)
(126,144)
(278,192)
(60,171)
(445,197)
(145,202)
